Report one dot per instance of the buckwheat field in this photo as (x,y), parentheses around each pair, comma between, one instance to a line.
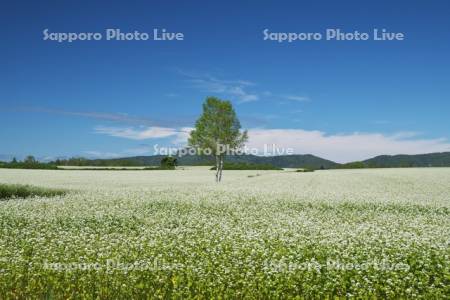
(374,233)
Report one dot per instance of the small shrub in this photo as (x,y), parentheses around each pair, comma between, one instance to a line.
(304,170)
(256,175)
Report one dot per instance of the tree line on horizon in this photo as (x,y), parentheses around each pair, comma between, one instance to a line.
(244,162)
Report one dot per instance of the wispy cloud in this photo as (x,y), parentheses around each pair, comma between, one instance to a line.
(171,95)
(122,118)
(230,88)
(137,133)
(177,135)
(100,154)
(116,117)
(296,98)
(381,122)
(242,90)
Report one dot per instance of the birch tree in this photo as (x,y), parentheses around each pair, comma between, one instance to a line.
(217,132)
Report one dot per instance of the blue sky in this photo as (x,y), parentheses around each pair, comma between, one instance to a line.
(342,100)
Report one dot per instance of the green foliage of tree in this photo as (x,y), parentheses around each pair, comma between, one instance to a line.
(168,163)
(217,131)
(30,160)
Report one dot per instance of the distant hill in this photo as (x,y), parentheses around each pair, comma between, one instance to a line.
(296,161)
(401,161)
(285,161)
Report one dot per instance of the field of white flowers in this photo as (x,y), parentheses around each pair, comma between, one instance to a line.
(259,234)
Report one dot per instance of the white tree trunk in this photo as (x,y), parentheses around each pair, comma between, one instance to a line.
(217,168)
(221,167)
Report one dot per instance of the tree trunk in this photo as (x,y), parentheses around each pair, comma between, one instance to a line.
(217,168)
(221,167)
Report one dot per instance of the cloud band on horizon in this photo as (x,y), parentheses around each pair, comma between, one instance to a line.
(340,148)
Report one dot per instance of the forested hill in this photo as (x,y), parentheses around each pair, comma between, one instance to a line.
(284,161)
(419,160)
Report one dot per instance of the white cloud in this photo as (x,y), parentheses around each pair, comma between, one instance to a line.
(182,136)
(178,136)
(243,95)
(337,147)
(345,147)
